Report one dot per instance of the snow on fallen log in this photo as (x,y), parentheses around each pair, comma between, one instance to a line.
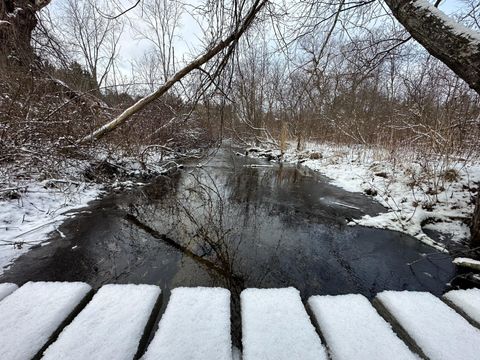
(467,302)
(6,289)
(275,325)
(32,314)
(195,326)
(110,327)
(466,262)
(353,330)
(432,327)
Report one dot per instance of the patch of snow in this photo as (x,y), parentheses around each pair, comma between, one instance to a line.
(436,328)
(353,329)
(466,262)
(275,325)
(31,314)
(110,327)
(38,211)
(195,326)
(466,300)
(6,289)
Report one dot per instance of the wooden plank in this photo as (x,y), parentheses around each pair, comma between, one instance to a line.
(32,315)
(430,326)
(275,325)
(6,289)
(195,326)
(110,327)
(353,330)
(467,303)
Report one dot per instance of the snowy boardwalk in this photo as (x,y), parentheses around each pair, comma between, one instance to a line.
(275,325)
(31,315)
(355,331)
(195,326)
(55,320)
(431,326)
(467,302)
(110,327)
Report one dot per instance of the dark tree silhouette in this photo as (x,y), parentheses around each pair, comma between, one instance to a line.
(17,21)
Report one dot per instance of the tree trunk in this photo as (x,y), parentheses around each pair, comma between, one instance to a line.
(475,228)
(17,21)
(452,43)
(455,45)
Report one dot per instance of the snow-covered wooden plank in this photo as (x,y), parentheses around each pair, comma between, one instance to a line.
(353,330)
(275,325)
(195,326)
(6,289)
(467,302)
(110,327)
(32,314)
(432,327)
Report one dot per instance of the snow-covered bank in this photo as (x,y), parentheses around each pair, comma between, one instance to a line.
(34,201)
(419,191)
(34,209)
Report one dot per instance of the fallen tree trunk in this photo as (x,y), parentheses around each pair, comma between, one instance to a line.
(209,54)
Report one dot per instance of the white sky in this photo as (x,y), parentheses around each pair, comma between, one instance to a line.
(132,48)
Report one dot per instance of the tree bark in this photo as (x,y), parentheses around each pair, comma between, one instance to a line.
(452,43)
(17,21)
(455,45)
(475,228)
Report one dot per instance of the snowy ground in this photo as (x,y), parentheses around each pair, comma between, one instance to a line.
(418,191)
(37,209)
(33,204)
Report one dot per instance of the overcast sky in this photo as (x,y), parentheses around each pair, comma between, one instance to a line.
(187,45)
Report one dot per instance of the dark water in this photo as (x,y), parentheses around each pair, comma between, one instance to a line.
(232,225)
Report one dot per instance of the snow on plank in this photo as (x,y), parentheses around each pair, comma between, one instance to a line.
(275,325)
(110,327)
(437,331)
(195,326)
(467,302)
(353,330)
(32,314)
(6,289)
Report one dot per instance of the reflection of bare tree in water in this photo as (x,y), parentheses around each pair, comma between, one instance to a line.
(194,216)
(190,216)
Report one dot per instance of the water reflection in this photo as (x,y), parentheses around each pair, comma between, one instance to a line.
(233,225)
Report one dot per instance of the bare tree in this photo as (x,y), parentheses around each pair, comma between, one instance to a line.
(92,36)
(162,20)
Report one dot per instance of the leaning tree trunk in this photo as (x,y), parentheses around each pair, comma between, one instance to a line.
(228,43)
(17,21)
(452,43)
